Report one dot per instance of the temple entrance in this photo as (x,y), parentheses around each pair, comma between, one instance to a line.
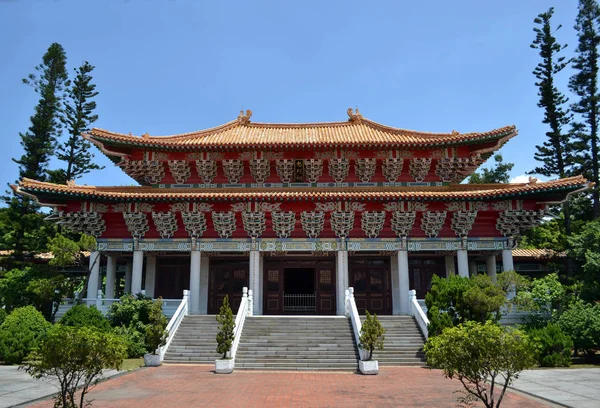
(421,270)
(172,277)
(226,277)
(370,277)
(299,286)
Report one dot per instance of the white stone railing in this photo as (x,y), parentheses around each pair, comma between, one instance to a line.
(180,313)
(414,309)
(352,313)
(244,310)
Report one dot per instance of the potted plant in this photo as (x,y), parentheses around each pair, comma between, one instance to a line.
(225,364)
(371,338)
(156,335)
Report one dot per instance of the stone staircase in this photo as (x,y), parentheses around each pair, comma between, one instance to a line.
(403,345)
(195,341)
(297,343)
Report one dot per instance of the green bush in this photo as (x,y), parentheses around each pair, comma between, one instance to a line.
(156,334)
(226,326)
(76,356)
(20,333)
(371,335)
(83,316)
(2,315)
(135,340)
(581,322)
(130,310)
(553,346)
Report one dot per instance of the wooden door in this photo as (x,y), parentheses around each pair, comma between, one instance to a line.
(226,278)
(273,287)
(325,287)
(421,271)
(172,277)
(370,277)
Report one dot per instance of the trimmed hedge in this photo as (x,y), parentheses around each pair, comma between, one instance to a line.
(553,346)
(83,316)
(20,334)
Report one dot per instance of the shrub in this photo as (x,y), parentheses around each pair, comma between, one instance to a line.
(371,335)
(477,354)
(130,310)
(76,356)
(83,316)
(581,322)
(553,346)
(156,335)
(134,338)
(20,333)
(2,315)
(226,326)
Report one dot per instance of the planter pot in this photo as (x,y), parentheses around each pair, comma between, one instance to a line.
(368,367)
(224,366)
(152,360)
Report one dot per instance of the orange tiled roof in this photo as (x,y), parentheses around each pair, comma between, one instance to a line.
(242,133)
(537,253)
(456,192)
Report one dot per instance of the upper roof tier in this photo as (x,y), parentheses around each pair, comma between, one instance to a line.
(242,134)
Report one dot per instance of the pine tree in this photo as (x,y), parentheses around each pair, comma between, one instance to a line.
(78,115)
(556,154)
(38,143)
(500,173)
(584,84)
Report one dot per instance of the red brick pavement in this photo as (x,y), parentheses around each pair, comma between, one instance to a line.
(197,386)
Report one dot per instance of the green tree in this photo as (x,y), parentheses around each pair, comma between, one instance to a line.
(76,356)
(584,84)
(556,153)
(371,335)
(156,335)
(585,250)
(581,322)
(226,326)
(20,333)
(500,173)
(84,316)
(552,344)
(479,355)
(78,110)
(38,142)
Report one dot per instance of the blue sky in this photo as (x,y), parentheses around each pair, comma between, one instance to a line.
(167,67)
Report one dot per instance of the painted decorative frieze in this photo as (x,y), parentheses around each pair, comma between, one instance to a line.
(180,207)
(327,207)
(180,170)
(150,171)
(392,168)
(403,222)
(233,169)
(283,222)
(285,170)
(313,169)
(90,223)
(137,223)
(454,169)
(419,168)
(462,222)
(166,223)
(260,169)
(338,169)
(254,223)
(155,172)
(224,223)
(432,222)
(207,170)
(365,169)
(312,223)
(194,223)
(342,223)
(372,222)
(511,223)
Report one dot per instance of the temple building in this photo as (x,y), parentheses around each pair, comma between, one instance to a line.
(298,213)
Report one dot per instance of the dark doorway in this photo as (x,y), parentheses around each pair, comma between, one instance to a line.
(299,280)
(172,277)
(370,278)
(227,277)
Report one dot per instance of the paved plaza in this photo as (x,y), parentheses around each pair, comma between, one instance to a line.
(197,386)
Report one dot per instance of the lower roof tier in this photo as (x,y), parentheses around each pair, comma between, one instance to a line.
(435,212)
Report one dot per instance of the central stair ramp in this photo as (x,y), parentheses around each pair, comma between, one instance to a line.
(298,343)
(194,341)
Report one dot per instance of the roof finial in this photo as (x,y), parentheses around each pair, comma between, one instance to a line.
(146,135)
(533,180)
(244,119)
(354,117)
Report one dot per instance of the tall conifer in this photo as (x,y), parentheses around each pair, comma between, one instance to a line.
(78,115)
(556,154)
(584,84)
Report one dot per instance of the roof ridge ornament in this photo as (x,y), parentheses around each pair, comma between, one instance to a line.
(355,116)
(244,119)
(146,135)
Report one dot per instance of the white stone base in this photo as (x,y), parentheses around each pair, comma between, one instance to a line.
(368,367)
(152,360)
(224,366)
